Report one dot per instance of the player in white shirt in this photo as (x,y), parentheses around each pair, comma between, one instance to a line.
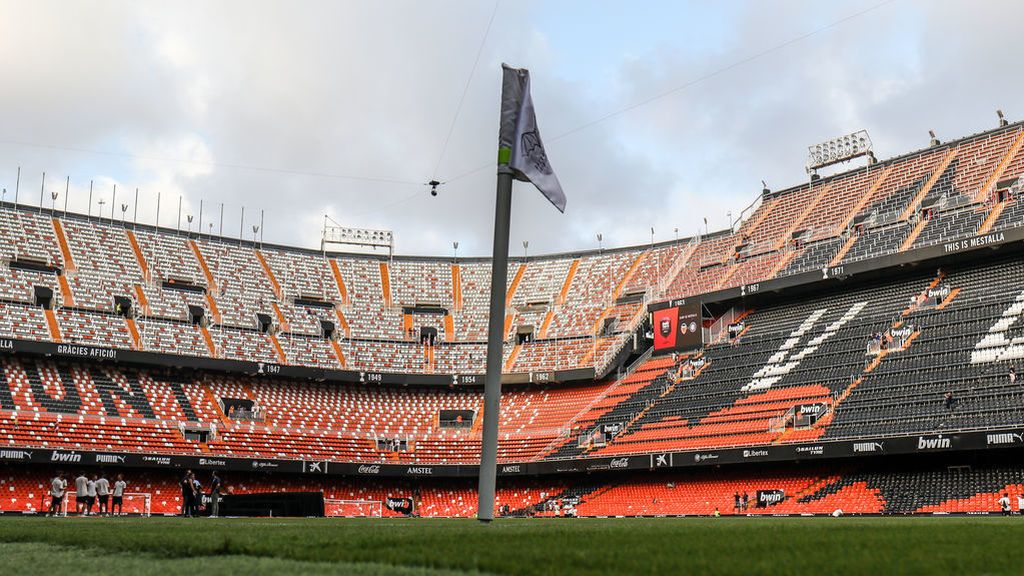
(81,492)
(119,487)
(90,492)
(1020,504)
(1004,505)
(103,495)
(57,487)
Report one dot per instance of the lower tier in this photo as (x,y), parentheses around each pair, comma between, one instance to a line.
(887,486)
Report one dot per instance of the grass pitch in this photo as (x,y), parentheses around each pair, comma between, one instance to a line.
(170,546)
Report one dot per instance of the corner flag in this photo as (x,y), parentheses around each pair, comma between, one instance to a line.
(520,156)
(519,143)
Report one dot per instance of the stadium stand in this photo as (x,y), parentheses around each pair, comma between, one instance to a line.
(25,490)
(812,351)
(66,405)
(892,489)
(927,197)
(918,349)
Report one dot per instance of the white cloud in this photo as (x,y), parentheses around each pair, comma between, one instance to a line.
(318,89)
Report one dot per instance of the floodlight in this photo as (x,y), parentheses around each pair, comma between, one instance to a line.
(837,150)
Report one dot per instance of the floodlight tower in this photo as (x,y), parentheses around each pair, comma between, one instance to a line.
(836,150)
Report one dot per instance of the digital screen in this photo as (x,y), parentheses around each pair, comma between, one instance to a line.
(677,328)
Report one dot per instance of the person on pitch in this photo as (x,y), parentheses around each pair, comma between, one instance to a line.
(119,487)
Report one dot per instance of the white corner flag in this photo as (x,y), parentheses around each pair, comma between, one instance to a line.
(519,143)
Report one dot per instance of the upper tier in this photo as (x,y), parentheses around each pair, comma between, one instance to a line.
(574,306)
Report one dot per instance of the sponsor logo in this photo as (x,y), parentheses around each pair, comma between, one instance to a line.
(868,447)
(705,457)
(1004,438)
(904,332)
(769,497)
(15,455)
(811,450)
(372,469)
(211,462)
(755,453)
(810,408)
(86,352)
(939,293)
(318,467)
(619,463)
(159,460)
(109,459)
(58,456)
(661,460)
(261,464)
(420,470)
(6,344)
(511,469)
(939,442)
(612,428)
(401,505)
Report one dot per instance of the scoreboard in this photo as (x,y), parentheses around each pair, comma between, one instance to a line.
(677,326)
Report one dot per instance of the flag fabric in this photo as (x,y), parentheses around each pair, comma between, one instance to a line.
(519,143)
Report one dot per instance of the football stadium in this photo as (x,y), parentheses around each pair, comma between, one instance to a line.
(828,383)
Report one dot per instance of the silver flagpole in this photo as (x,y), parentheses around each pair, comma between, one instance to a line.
(495,341)
(520,154)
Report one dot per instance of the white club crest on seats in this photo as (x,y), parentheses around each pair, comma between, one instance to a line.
(995,346)
(782,362)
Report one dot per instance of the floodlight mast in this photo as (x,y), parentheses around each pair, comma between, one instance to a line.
(839,149)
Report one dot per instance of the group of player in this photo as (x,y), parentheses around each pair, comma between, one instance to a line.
(1006,506)
(90,491)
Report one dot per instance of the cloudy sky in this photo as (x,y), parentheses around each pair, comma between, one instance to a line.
(655,113)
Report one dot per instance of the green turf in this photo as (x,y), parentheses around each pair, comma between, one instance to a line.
(586,546)
(35,558)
